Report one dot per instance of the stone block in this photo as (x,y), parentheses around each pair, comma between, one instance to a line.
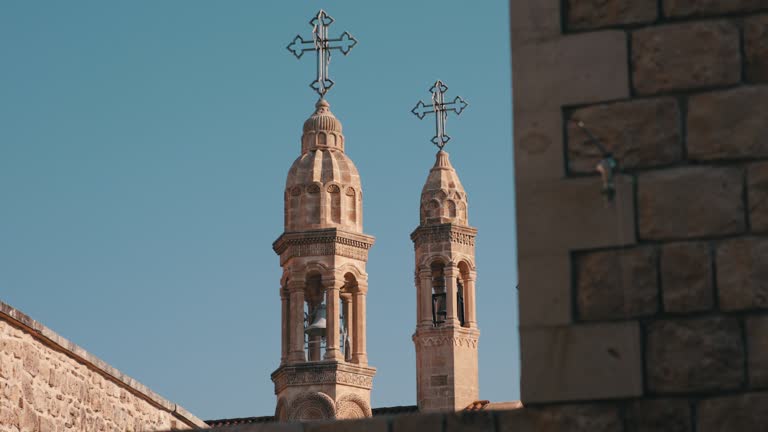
(690,202)
(742,273)
(418,423)
(544,287)
(685,56)
(747,412)
(757,196)
(477,421)
(686,277)
(378,424)
(640,134)
(757,347)
(731,124)
(581,362)
(571,418)
(659,415)
(591,14)
(703,354)
(613,284)
(756,48)
(686,8)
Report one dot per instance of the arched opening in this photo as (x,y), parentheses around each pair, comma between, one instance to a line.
(350,322)
(322,138)
(313,204)
(439,306)
(315,317)
(335,193)
(352,213)
(463,294)
(451,209)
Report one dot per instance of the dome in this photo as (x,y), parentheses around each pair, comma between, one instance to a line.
(443,199)
(323,186)
(322,129)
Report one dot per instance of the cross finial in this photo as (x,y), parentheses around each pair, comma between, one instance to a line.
(323,46)
(440,108)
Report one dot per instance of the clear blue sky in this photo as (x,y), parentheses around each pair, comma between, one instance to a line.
(143,152)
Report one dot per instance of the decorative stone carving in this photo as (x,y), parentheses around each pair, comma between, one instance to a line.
(312,406)
(459,341)
(352,406)
(333,188)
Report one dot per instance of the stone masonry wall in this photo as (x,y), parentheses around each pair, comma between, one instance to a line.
(656,304)
(48,384)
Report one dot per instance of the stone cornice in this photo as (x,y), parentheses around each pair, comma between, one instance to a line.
(456,336)
(318,373)
(464,235)
(53,340)
(323,242)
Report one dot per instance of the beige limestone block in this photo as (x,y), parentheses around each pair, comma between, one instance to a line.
(756,48)
(640,134)
(690,202)
(618,283)
(685,56)
(742,273)
(714,343)
(757,347)
(747,412)
(592,361)
(591,14)
(720,128)
(687,277)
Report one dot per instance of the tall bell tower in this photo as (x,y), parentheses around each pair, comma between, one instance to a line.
(324,372)
(446,336)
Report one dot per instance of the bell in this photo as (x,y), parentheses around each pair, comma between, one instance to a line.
(317,328)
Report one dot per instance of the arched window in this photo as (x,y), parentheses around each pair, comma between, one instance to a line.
(315,317)
(439,311)
(335,193)
(462,293)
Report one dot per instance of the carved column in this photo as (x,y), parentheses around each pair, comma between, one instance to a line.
(285,325)
(332,351)
(425,296)
(470,299)
(451,272)
(296,288)
(358,344)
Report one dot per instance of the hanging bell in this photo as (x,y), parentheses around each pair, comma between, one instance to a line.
(317,328)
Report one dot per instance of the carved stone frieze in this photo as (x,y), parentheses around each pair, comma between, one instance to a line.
(323,243)
(323,374)
(458,341)
(444,233)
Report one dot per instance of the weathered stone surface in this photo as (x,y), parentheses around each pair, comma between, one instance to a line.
(589,14)
(757,196)
(659,415)
(719,126)
(685,56)
(416,423)
(748,412)
(42,389)
(756,48)
(373,425)
(686,277)
(742,273)
(757,347)
(694,355)
(571,418)
(478,421)
(640,134)
(617,283)
(581,362)
(682,8)
(690,202)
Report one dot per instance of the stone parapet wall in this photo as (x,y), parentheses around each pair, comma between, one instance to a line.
(50,384)
(655,304)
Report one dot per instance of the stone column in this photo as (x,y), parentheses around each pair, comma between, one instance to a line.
(285,326)
(332,351)
(296,288)
(470,300)
(358,344)
(349,316)
(451,272)
(425,297)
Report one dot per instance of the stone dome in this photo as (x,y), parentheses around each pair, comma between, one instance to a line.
(323,186)
(443,199)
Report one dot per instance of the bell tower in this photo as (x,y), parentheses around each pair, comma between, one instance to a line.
(324,372)
(446,336)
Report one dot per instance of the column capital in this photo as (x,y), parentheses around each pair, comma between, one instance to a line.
(451,269)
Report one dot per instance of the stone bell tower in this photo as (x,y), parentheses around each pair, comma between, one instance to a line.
(324,372)
(446,334)
(446,328)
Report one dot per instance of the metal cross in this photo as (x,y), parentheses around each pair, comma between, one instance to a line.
(323,46)
(440,108)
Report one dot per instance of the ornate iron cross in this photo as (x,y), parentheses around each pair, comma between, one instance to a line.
(323,47)
(440,108)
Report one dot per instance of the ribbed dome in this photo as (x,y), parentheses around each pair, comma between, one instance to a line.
(322,129)
(443,199)
(323,186)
